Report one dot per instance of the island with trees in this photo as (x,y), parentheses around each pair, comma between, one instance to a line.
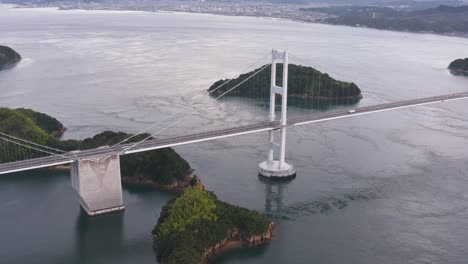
(303,82)
(8,57)
(459,67)
(162,168)
(196,225)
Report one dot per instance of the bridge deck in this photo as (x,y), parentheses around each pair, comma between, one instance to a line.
(217,134)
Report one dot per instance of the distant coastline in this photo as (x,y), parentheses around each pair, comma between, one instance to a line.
(442,20)
(263,16)
(297,16)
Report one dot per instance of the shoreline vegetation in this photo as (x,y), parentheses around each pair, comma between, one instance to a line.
(196,225)
(162,168)
(459,67)
(304,82)
(8,57)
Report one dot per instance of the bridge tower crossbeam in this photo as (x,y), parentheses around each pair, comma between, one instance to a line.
(271,168)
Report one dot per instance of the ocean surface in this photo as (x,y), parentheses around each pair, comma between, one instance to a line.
(383,188)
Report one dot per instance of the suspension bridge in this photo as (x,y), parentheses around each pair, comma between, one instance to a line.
(95,173)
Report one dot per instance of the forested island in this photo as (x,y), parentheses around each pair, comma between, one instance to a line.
(303,82)
(443,19)
(162,168)
(196,225)
(459,67)
(8,57)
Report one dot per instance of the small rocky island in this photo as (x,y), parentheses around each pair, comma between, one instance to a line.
(459,67)
(196,225)
(303,82)
(8,57)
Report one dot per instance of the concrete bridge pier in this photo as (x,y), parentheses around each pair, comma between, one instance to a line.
(97,182)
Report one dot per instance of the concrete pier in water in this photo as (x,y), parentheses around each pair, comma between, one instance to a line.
(97,182)
(274,171)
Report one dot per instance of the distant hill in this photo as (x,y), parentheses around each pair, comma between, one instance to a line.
(8,57)
(459,67)
(409,5)
(442,19)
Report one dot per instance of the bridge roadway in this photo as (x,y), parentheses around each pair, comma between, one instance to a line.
(217,134)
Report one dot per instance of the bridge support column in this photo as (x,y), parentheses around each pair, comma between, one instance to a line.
(98,184)
(271,168)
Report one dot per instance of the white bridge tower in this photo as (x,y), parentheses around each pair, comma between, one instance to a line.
(271,168)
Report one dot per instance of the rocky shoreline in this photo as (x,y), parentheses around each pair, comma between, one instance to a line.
(59,133)
(234,239)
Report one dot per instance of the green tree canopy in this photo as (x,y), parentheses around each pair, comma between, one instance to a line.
(192,206)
